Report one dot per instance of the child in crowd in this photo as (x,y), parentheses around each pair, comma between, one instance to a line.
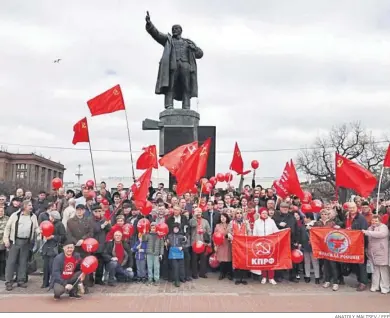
(175,244)
(154,253)
(139,248)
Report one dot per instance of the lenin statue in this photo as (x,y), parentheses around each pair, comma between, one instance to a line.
(177,74)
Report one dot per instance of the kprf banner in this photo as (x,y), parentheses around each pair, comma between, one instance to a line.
(344,246)
(271,252)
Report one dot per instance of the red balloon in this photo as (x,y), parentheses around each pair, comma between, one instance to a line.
(213,262)
(105,202)
(127,230)
(47,228)
(198,247)
(218,238)
(90,184)
(306,207)
(220,177)
(208,250)
(90,245)
(345,206)
(56,183)
(162,230)
(143,226)
(146,208)
(307,197)
(228,177)
(254,164)
(89,265)
(206,188)
(316,206)
(139,204)
(296,256)
(92,194)
(213,181)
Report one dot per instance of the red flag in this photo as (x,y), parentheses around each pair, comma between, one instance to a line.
(344,246)
(270,252)
(386,163)
(140,188)
(80,130)
(108,102)
(237,164)
(281,185)
(173,160)
(352,176)
(294,186)
(193,168)
(148,159)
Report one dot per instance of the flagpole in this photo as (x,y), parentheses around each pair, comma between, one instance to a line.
(131,152)
(93,165)
(379,189)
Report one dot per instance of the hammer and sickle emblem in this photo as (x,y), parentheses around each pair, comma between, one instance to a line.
(83,126)
(238,154)
(115,92)
(340,162)
(204,152)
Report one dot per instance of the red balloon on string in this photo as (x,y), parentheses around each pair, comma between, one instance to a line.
(254,164)
(213,262)
(90,184)
(296,256)
(90,245)
(56,183)
(307,197)
(208,250)
(346,206)
(316,206)
(228,177)
(143,226)
(306,207)
(218,238)
(213,181)
(47,228)
(162,230)
(89,265)
(146,208)
(92,194)
(206,188)
(220,177)
(104,202)
(198,247)
(127,230)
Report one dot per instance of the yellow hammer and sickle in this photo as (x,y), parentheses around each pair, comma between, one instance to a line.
(116,92)
(238,154)
(83,126)
(340,162)
(151,153)
(204,152)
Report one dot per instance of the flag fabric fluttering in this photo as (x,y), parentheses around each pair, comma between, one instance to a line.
(237,163)
(386,162)
(281,185)
(81,133)
(148,159)
(140,188)
(289,183)
(108,102)
(350,175)
(193,168)
(173,160)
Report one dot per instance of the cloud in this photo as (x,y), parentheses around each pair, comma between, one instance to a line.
(275,74)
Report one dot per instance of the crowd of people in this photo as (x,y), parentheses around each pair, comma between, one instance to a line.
(149,258)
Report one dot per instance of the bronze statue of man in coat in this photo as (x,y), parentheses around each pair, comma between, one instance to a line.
(177,74)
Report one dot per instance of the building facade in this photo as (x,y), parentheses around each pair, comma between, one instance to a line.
(29,170)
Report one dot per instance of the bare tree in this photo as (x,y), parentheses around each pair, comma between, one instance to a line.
(349,140)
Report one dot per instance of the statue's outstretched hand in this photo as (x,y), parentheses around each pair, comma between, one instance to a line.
(147,18)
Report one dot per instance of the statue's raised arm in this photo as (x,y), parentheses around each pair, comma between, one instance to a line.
(152,30)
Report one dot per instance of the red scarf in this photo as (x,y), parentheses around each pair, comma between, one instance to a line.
(119,251)
(200,229)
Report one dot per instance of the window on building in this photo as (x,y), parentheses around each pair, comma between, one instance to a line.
(21,175)
(21,171)
(21,166)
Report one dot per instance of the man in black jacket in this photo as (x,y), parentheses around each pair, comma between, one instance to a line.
(286,220)
(212,216)
(66,272)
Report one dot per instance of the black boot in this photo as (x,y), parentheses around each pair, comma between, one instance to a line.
(317,281)
(307,279)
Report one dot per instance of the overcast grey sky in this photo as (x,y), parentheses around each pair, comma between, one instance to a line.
(275,74)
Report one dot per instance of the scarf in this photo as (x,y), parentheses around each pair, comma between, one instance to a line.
(199,227)
(119,251)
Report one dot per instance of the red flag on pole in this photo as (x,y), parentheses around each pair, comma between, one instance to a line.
(353,176)
(173,160)
(386,162)
(281,186)
(108,102)
(193,168)
(141,187)
(237,163)
(148,159)
(293,182)
(80,130)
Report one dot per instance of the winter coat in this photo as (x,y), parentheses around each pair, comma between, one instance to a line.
(378,244)
(140,254)
(58,268)
(52,247)
(154,244)
(100,233)
(205,237)
(109,252)
(224,251)
(264,227)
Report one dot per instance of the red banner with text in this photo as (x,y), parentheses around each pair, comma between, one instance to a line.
(271,252)
(344,246)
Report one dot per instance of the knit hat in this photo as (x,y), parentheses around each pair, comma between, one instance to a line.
(55,215)
(67,242)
